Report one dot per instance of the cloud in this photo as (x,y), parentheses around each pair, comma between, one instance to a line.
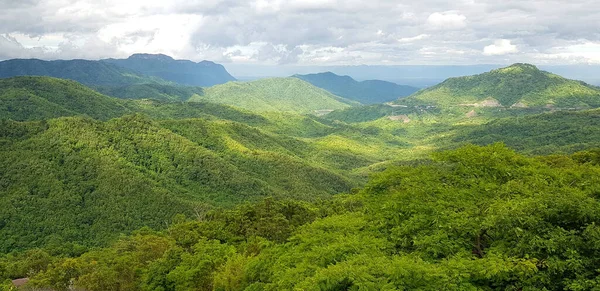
(500,47)
(447,20)
(334,32)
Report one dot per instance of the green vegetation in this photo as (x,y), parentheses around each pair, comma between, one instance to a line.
(470,219)
(37,98)
(276,94)
(151,91)
(365,92)
(559,132)
(518,85)
(101,193)
(95,73)
(84,181)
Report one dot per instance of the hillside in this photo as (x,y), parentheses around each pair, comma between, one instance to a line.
(151,91)
(82,71)
(557,132)
(36,98)
(519,85)
(204,73)
(79,180)
(365,92)
(276,94)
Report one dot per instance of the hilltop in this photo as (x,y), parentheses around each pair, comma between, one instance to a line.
(275,94)
(185,72)
(519,85)
(83,71)
(365,92)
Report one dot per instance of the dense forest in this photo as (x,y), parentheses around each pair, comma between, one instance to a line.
(257,186)
(472,218)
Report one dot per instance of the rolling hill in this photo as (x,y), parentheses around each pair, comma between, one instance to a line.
(276,94)
(204,73)
(151,91)
(36,98)
(519,85)
(365,92)
(83,71)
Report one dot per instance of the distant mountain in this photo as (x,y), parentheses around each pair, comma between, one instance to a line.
(519,85)
(275,94)
(82,71)
(365,92)
(204,73)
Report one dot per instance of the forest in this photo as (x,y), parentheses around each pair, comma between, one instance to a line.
(247,186)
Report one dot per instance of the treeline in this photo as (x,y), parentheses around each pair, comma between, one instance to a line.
(475,218)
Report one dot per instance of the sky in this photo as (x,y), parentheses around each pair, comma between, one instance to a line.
(306,32)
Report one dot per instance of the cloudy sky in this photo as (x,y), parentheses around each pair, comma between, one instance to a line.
(306,32)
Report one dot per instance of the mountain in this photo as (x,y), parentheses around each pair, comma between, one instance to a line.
(82,71)
(519,85)
(365,92)
(36,98)
(275,94)
(204,73)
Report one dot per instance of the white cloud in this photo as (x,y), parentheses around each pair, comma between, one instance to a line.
(500,47)
(447,20)
(305,31)
(414,38)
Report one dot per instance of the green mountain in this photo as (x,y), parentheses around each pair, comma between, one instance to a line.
(82,71)
(276,94)
(36,98)
(365,92)
(204,73)
(151,91)
(519,85)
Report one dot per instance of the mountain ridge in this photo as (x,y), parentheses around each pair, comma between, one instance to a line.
(184,72)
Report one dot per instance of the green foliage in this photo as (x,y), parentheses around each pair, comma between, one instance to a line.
(373,112)
(276,94)
(84,181)
(151,91)
(37,98)
(557,132)
(365,92)
(476,218)
(517,83)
